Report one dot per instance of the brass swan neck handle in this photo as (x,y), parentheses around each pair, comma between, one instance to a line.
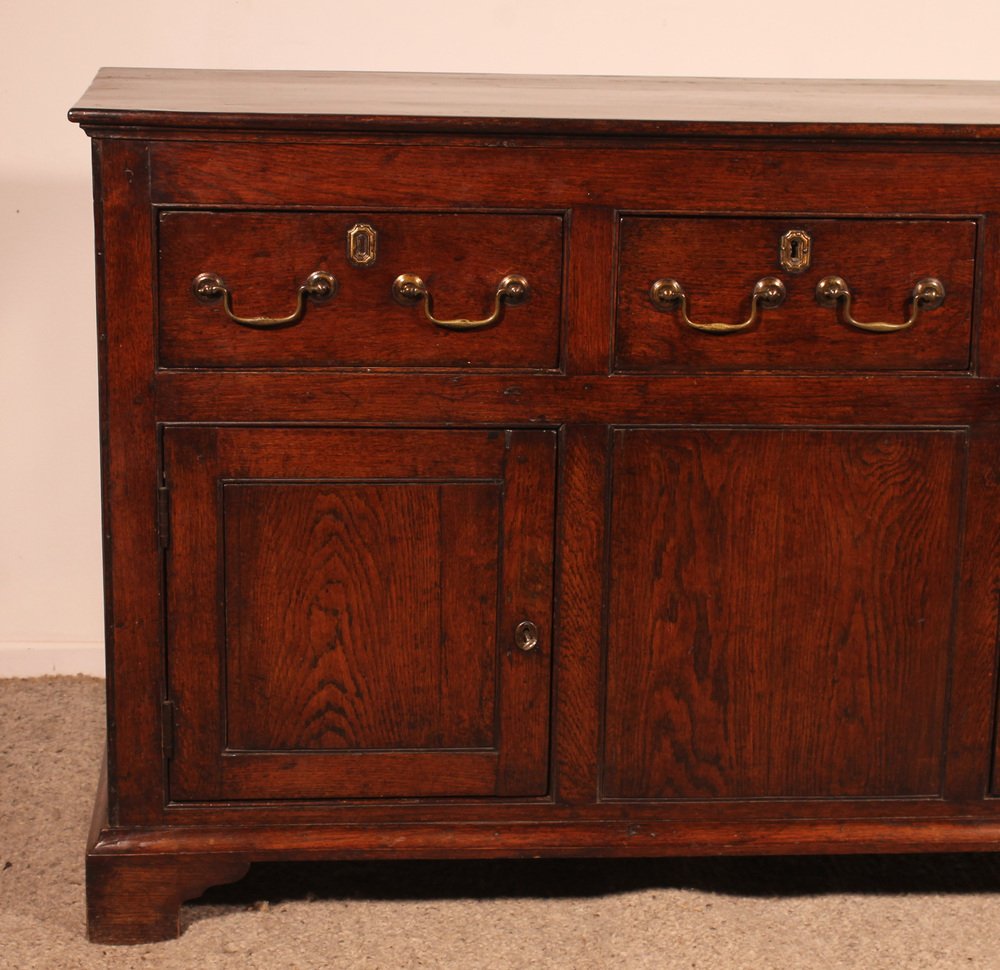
(927,294)
(318,287)
(409,289)
(668,294)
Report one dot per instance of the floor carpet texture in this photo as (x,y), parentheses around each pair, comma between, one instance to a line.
(856,913)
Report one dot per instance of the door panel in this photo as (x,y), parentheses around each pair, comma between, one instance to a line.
(781,611)
(351,597)
(318,575)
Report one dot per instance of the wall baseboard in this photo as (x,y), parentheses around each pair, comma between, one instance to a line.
(49,659)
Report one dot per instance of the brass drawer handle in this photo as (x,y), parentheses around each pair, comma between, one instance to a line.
(409,290)
(668,294)
(928,294)
(318,287)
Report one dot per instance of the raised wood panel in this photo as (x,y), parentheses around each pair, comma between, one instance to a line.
(360,616)
(781,610)
(370,585)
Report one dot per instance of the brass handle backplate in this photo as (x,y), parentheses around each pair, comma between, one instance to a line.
(927,294)
(408,290)
(768,293)
(526,636)
(318,287)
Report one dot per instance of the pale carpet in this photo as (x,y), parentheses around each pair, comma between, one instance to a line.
(862,913)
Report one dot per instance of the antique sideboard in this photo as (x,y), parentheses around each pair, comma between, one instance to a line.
(526,466)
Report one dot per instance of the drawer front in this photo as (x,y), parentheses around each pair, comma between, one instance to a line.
(262,259)
(875,265)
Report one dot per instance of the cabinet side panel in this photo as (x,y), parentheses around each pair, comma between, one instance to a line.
(130,461)
(781,612)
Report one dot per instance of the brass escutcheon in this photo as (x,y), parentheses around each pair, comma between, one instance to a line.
(362,244)
(795,251)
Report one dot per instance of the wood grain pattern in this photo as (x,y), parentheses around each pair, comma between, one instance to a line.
(780,612)
(544,838)
(589,289)
(582,546)
(264,257)
(137,899)
(718,261)
(129,460)
(373,101)
(526,592)
(361,616)
(438,399)
(664,175)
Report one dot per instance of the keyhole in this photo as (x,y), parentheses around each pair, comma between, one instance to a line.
(361,244)
(794,252)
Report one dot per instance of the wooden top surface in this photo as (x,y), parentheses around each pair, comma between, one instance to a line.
(341,101)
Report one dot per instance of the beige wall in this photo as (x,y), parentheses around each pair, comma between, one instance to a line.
(50,586)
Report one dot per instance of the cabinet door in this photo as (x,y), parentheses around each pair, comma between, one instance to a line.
(781,612)
(343,606)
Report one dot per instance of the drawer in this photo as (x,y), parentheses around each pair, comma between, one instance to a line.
(262,264)
(840,276)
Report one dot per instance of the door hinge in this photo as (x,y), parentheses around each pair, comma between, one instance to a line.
(163,515)
(167,724)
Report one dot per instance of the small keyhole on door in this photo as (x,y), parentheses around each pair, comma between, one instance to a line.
(526,636)
(793,250)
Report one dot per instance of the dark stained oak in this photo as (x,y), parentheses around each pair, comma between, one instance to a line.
(382,397)
(136,898)
(762,567)
(395,586)
(264,257)
(401,101)
(719,260)
(728,176)
(780,612)
(353,597)
(129,460)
